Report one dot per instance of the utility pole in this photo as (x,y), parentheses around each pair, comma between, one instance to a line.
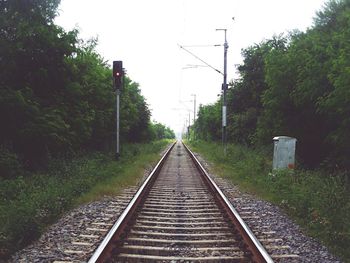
(118,74)
(187,128)
(194,114)
(189,124)
(194,107)
(224,90)
(224,86)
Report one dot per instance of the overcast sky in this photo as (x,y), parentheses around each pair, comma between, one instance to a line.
(145,35)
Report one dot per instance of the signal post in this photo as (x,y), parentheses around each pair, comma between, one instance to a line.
(118,74)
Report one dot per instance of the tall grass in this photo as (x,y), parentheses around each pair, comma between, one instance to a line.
(317,200)
(29,204)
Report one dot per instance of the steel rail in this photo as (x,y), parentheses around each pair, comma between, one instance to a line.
(259,254)
(105,248)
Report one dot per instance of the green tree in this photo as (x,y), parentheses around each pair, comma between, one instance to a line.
(296,86)
(244,98)
(135,114)
(32,77)
(333,25)
(56,94)
(306,95)
(162,132)
(208,122)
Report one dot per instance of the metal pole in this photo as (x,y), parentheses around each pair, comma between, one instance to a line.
(186,128)
(224,89)
(117,154)
(194,114)
(194,107)
(189,123)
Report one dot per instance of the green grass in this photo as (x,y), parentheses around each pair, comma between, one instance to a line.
(317,200)
(29,204)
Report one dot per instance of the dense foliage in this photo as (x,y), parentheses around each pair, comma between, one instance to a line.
(56,93)
(296,86)
(160,131)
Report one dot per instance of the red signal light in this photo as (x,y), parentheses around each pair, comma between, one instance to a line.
(118,73)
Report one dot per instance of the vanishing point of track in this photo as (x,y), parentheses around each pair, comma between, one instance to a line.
(180,215)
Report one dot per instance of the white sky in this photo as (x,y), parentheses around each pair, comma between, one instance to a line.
(145,34)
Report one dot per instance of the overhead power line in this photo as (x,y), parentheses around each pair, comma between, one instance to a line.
(210,66)
(194,66)
(218,45)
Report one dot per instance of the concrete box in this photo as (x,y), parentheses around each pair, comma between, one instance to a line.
(284,152)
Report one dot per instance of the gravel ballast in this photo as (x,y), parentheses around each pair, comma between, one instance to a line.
(77,234)
(307,248)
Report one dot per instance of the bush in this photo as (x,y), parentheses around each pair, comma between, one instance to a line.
(9,164)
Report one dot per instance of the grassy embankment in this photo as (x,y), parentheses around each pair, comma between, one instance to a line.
(317,200)
(28,204)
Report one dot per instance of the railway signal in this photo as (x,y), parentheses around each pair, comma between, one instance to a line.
(118,75)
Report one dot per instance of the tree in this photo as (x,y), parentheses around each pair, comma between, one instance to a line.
(297,86)
(56,94)
(162,132)
(245,96)
(306,95)
(33,74)
(208,122)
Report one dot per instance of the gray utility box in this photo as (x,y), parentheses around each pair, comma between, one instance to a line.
(284,152)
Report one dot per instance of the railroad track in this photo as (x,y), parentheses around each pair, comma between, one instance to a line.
(180,215)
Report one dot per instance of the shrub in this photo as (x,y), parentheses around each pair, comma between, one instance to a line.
(9,164)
